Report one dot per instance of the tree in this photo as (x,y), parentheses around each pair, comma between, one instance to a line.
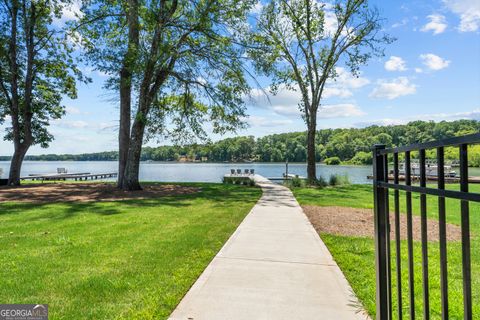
(296,43)
(349,145)
(187,68)
(36,70)
(111,50)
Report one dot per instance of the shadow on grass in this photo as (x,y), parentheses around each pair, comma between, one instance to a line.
(221,195)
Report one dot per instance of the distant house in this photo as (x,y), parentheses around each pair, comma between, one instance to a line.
(186,158)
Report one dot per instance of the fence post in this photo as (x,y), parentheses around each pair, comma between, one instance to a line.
(380,233)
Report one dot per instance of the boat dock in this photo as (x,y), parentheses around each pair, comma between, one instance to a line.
(431,178)
(289,176)
(239,178)
(70,176)
(243,177)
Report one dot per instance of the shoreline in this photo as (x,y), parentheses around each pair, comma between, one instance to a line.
(206,162)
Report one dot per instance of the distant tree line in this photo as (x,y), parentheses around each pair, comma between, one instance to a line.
(334,146)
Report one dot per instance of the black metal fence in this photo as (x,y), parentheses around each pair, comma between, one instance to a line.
(385,181)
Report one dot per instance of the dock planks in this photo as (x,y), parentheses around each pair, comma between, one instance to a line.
(70,176)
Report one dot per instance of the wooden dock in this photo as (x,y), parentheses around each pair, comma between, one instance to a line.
(70,176)
(238,178)
(289,176)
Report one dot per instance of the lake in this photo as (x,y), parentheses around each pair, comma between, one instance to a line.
(191,172)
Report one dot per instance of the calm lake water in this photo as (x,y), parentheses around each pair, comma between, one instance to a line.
(190,172)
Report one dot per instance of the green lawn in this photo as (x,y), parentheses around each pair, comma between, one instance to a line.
(355,256)
(107,260)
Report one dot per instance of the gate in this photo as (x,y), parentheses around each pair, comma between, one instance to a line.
(383,182)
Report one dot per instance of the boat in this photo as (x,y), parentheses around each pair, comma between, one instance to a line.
(292,176)
(431,170)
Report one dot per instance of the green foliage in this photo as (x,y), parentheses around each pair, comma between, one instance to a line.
(333,181)
(338,180)
(321,182)
(141,254)
(361,157)
(473,156)
(349,145)
(332,161)
(41,73)
(295,182)
(184,57)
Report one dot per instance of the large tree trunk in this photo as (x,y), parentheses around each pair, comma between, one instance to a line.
(126,90)
(16,165)
(311,164)
(124,130)
(130,179)
(150,85)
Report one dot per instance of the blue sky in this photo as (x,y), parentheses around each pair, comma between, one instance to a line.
(432,72)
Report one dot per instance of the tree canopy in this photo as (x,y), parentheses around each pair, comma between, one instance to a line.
(37,70)
(350,146)
(183,63)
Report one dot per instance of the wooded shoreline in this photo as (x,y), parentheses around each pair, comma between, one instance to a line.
(334,146)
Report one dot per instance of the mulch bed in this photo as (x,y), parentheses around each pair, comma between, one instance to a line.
(359,223)
(67,192)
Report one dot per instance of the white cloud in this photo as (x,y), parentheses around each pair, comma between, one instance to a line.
(434,62)
(380,122)
(75,39)
(80,124)
(393,89)
(285,102)
(77,124)
(257,121)
(343,84)
(340,92)
(104,126)
(418,70)
(437,24)
(346,79)
(287,110)
(468,11)
(257,8)
(344,110)
(470,115)
(102,74)
(395,64)
(72,110)
(401,23)
(331,22)
(70,12)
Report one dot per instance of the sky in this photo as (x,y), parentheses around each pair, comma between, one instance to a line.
(431,72)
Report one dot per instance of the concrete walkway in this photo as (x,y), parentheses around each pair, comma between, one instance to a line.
(275,266)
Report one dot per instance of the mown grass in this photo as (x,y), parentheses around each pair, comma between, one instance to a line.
(355,255)
(109,260)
